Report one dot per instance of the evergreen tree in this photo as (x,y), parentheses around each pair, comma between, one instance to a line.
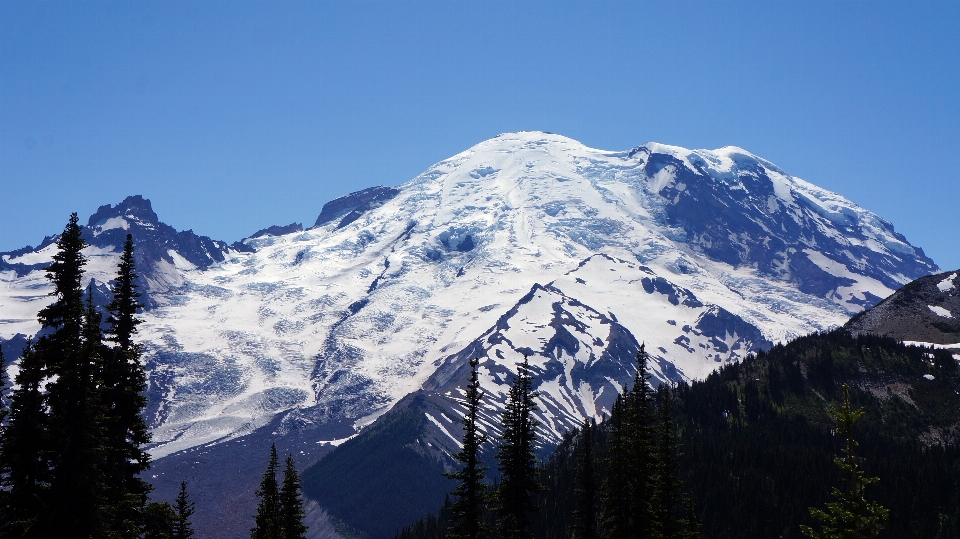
(585,515)
(640,465)
(631,462)
(65,314)
(467,511)
(183,510)
(23,451)
(4,473)
(268,517)
(291,503)
(68,353)
(669,503)
(72,450)
(122,379)
(78,483)
(123,309)
(3,392)
(851,516)
(615,516)
(158,520)
(517,458)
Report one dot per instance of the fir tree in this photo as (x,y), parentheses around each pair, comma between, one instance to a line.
(3,392)
(158,519)
(642,458)
(65,314)
(122,380)
(69,353)
(78,483)
(291,503)
(4,473)
(471,493)
(123,309)
(851,516)
(631,464)
(669,503)
(268,517)
(615,516)
(517,458)
(23,451)
(585,515)
(183,509)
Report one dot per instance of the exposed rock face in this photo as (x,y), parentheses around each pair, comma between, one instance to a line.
(926,310)
(349,208)
(749,212)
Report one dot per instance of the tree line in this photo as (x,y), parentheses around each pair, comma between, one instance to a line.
(764,448)
(72,433)
(622,478)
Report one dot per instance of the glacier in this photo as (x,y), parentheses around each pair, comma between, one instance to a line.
(529,243)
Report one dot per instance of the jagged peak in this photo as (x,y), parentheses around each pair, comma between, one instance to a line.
(134,205)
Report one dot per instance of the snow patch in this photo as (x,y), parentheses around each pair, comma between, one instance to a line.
(443,429)
(180,262)
(932,345)
(940,311)
(110,224)
(947,284)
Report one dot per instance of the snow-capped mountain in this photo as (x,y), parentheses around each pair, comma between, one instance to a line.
(526,243)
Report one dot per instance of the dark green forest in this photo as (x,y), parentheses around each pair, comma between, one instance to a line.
(757,446)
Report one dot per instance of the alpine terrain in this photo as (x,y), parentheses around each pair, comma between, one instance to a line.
(527,244)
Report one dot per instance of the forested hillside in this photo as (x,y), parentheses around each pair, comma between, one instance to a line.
(757,444)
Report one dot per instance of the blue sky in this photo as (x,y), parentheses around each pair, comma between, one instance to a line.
(232,116)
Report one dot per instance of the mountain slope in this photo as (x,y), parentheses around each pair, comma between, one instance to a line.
(701,255)
(926,310)
(343,320)
(758,443)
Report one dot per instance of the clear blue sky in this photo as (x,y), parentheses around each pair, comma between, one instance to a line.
(232,116)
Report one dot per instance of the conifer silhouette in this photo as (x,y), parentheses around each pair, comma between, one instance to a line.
(851,516)
(519,483)
(467,511)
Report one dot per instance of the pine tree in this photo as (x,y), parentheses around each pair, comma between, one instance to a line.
(517,458)
(3,392)
(78,484)
(122,379)
(585,515)
(668,500)
(123,319)
(4,411)
(4,473)
(640,465)
(69,353)
(268,518)
(183,509)
(471,493)
(631,462)
(615,516)
(23,451)
(158,519)
(65,314)
(291,503)
(851,516)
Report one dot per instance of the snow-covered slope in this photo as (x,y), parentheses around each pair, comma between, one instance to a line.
(706,256)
